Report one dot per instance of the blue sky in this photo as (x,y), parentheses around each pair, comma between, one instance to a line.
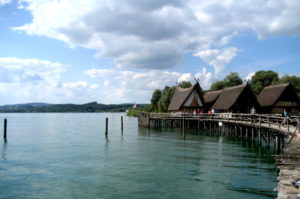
(109,51)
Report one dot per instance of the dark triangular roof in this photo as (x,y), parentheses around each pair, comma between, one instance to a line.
(270,94)
(211,96)
(228,97)
(182,94)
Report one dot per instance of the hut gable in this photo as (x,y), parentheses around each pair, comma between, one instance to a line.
(238,99)
(271,94)
(193,100)
(276,98)
(186,97)
(210,98)
(228,97)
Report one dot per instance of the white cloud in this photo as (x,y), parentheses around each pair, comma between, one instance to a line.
(31,80)
(3,2)
(249,76)
(205,78)
(185,77)
(19,70)
(129,86)
(218,58)
(157,34)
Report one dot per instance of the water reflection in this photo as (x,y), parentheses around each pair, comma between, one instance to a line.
(4,148)
(148,163)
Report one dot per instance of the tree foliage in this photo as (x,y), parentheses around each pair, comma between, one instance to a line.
(165,98)
(185,84)
(218,85)
(60,108)
(293,80)
(262,79)
(155,98)
(233,79)
(161,98)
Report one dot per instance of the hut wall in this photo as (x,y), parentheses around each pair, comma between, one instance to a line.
(245,102)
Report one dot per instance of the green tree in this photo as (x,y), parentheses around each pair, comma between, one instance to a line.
(165,99)
(185,84)
(262,79)
(155,98)
(293,80)
(219,85)
(233,79)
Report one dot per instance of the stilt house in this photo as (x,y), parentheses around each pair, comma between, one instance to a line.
(236,99)
(210,98)
(276,98)
(187,99)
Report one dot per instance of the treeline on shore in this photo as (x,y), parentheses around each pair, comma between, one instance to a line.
(160,99)
(63,108)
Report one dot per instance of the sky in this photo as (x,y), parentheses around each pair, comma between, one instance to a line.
(112,51)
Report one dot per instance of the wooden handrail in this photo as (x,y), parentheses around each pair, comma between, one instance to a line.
(271,120)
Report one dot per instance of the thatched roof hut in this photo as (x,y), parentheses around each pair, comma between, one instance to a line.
(210,98)
(187,99)
(276,98)
(237,99)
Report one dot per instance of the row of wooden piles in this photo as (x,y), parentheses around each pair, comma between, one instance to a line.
(263,136)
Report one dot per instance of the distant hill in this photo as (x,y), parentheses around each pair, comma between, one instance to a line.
(62,108)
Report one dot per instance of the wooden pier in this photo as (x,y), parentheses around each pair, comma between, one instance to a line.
(261,128)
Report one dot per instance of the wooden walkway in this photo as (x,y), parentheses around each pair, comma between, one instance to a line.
(253,127)
(289,166)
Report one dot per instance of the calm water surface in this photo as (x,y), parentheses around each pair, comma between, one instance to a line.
(68,156)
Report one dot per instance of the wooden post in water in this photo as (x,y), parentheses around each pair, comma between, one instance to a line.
(259,137)
(106,126)
(252,135)
(241,131)
(282,141)
(268,139)
(235,130)
(122,124)
(5,130)
(277,143)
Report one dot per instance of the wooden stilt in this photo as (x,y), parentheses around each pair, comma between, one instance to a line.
(268,139)
(259,137)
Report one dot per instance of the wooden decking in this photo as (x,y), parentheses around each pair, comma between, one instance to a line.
(251,127)
(289,166)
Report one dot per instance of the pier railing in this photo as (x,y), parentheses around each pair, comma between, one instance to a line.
(273,121)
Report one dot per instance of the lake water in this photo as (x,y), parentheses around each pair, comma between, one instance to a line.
(66,155)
